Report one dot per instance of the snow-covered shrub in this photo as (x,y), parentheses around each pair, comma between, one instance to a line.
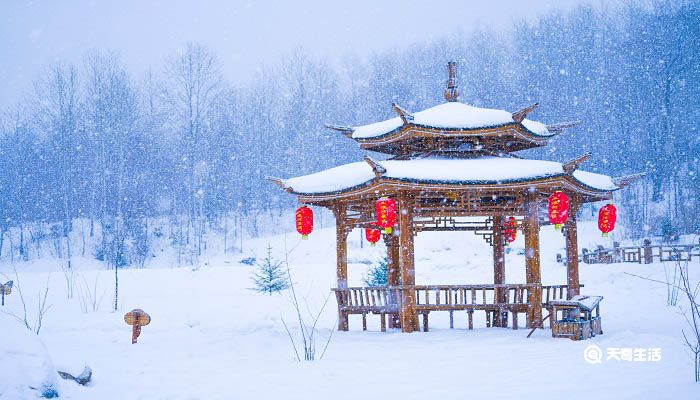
(248,261)
(29,371)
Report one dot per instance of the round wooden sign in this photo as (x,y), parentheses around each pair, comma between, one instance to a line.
(6,288)
(137,317)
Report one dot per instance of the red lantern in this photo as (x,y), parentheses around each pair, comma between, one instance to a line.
(305,221)
(372,235)
(558,209)
(511,230)
(386,214)
(607,217)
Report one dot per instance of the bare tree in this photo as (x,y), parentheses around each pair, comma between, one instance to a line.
(692,315)
(41,307)
(194,82)
(112,113)
(307,325)
(57,110)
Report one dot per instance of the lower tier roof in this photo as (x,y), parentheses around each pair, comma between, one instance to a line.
(436,170)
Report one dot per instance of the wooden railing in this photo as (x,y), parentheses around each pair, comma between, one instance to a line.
(456,297)
(374,299)
(494,299)
(554,292)
(643,254)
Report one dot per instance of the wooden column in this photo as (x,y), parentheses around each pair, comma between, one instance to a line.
(499,266)
(408,314)
(531,228)
(570,233)
(341,247)
(393,276)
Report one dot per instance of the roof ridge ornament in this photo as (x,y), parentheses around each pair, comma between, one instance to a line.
(406,116)
(377,168)
(623,181)
(520,115)
(451,93)
(345,130)
(559,128)
(279,182)
(571,165)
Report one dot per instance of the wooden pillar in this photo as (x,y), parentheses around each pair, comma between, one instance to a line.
(408,314)
(531,228)
(572,279)
(499,266)
(393,276)
(341,269)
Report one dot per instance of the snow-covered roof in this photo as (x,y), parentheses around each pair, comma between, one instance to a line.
(483,170)
(588,303)
(450,115)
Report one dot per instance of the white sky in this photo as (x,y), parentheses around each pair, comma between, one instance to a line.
(244,34)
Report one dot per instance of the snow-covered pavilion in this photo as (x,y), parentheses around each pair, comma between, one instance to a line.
(446,163)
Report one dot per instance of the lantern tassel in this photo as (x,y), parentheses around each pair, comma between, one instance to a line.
(304,237)
(557,227)
(388,230)
(372,244)
(605,234)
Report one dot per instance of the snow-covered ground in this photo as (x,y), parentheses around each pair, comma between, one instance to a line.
(212,337)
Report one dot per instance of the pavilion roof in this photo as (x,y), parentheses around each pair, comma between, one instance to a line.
(442,170)
(451,116)
(453,127)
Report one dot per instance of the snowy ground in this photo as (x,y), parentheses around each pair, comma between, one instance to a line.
(211,337)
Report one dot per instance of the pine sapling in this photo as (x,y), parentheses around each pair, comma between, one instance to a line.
(377,274)
(269,276)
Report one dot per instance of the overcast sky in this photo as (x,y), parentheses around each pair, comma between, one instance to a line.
(244,34)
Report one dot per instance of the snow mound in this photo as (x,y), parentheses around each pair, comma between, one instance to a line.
(26,370)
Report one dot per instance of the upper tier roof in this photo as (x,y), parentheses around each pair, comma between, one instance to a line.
(454,128)
(475,171)
(451,116)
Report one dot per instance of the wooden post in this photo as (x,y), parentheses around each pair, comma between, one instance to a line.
(393,277)
(531,228)
(408,315)
(572,278)
(341,247)
(499,267)
(648,256)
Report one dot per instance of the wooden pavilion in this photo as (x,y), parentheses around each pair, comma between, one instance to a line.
(445,164)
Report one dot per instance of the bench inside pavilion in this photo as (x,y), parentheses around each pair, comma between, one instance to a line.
(447,165)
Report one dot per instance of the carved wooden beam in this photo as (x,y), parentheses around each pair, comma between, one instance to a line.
(520,115)
(406,116)
(559,128)
(376,168)
(279,182)
(571,165)
(623,181)
(345,130)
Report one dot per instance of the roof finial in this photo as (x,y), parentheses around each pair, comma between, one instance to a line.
(451,93)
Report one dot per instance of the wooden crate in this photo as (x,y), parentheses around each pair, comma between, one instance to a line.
(577,321)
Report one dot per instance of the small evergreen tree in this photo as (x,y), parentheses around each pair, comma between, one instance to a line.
(377,274)
(269,276)
(669,232)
